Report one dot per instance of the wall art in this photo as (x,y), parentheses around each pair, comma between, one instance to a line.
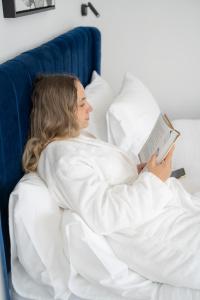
(17,8)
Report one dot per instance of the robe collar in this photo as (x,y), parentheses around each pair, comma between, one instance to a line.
(87,138)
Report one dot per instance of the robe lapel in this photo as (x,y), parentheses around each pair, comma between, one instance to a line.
(87,138)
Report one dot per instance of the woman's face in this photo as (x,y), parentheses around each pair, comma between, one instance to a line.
(83,107)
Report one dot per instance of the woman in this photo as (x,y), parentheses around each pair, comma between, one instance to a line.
(149,220)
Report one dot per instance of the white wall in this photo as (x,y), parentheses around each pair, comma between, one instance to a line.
(157,40)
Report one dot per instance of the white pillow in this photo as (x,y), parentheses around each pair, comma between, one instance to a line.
(132,115)
(34,221)
(100,96)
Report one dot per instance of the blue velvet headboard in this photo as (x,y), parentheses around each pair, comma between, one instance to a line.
(76,52)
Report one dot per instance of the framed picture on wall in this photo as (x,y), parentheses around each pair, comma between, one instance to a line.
(17,8)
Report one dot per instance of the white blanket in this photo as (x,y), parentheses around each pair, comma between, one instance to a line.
(153,227)
(41,269)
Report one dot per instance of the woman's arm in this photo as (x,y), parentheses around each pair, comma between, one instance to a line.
(107,208)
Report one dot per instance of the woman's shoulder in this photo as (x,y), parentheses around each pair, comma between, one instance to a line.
(61,146)
(57,152)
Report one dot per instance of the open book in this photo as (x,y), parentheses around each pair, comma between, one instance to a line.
(160,141)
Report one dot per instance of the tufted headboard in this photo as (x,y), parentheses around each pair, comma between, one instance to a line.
(76,52)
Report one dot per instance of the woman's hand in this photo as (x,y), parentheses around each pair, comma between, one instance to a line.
(164,169)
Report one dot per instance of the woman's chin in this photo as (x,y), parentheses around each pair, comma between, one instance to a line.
(85,125)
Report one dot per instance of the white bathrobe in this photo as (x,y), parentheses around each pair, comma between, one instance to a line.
(153,227)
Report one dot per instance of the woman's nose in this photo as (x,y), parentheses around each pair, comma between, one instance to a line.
(90,108)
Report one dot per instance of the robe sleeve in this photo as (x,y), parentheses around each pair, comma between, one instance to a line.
(107,208)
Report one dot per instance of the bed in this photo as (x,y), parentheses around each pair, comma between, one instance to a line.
(78,52)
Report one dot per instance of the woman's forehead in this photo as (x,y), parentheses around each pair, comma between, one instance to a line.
(79,85)
(80,91)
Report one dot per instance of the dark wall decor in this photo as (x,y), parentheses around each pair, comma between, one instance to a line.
(17,8)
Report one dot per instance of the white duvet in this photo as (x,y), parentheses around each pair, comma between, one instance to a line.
(123,235)
(153,228)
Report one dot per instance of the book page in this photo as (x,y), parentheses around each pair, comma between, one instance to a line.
(160,141)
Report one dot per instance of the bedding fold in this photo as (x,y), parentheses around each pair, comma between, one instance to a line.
(151,226)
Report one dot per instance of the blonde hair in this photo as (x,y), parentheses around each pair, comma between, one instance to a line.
(52,117)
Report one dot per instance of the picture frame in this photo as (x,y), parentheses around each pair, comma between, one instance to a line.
(17,8)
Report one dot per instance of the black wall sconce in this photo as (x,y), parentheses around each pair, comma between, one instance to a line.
(84,9)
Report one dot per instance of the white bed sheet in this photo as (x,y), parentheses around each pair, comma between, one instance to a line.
(15,296)
(72,297)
